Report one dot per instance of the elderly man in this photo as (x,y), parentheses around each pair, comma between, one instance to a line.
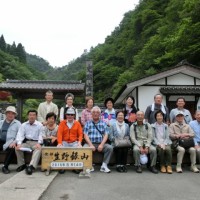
(8,131)
(47,107)
(29,136)
(180,102)
(141,136)
(152,109)
(181,130)
(96,134)
(195,125)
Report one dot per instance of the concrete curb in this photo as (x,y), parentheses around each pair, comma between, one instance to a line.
(23,187)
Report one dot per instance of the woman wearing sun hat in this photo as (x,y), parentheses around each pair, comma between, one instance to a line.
(8,131)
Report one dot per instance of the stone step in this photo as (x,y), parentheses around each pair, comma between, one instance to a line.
(26,187)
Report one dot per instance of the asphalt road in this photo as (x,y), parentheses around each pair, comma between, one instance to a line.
(125,186)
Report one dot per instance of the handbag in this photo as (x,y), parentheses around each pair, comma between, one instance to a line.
(47,142)
(122,142)
(186,143)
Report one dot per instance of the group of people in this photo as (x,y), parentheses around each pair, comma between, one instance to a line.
(150,134)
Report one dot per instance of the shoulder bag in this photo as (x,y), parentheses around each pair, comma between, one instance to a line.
(122,142)
(186,143)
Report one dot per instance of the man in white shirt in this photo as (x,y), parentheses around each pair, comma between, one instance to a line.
(47,107)
(29,136)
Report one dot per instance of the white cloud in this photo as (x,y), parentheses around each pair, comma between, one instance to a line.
(60,30)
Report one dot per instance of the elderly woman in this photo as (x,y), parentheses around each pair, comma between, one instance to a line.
(120,130)
(69,99)
(8,132)
(49,132)
(86,114)
(130,110)
(163,143)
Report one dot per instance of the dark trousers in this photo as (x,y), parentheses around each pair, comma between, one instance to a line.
(121,155)
(165,156)
(10,154)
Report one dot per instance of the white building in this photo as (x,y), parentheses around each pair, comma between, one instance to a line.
(182,80)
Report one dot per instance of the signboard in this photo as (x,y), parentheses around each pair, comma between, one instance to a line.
(89,79)
(66,158)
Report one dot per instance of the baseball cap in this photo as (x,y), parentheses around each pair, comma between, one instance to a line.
(11,109)
(179,113)
(143,159)
(70,111)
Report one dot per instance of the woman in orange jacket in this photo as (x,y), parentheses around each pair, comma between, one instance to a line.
(70,132)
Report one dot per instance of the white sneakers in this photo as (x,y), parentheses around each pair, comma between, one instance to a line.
(194,169)
(105,169)
(90,170)
(178,168)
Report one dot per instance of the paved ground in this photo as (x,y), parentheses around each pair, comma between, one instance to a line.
(20,186)
(125,186)
(4,177)
(101,186)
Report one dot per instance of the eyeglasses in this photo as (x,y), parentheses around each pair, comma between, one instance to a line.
(70,114)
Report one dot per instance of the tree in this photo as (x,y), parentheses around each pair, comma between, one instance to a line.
(13,49)
(20,53)
(2,43)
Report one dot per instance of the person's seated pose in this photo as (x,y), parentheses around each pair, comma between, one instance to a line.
(96,134)
(120,130)
(8,131)
(49,132)
(70,133)
(195,125)
(162,142)
(181,130)
(141,136)
(29,136)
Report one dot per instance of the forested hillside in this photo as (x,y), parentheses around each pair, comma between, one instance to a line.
(13,63)
(154,36)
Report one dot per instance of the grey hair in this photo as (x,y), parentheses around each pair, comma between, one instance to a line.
(96,108)
(158,95)
(197,111)
(69,95)
(49,92)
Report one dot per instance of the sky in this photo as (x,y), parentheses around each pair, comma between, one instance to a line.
(60,30)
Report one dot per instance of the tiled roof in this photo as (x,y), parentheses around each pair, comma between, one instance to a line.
(35,89)
(180,90)
(42,84)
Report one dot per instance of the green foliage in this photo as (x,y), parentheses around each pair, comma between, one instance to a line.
(40,65)
(2,43)
(1,77)
(12,68)
(29,105)
(20,53)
